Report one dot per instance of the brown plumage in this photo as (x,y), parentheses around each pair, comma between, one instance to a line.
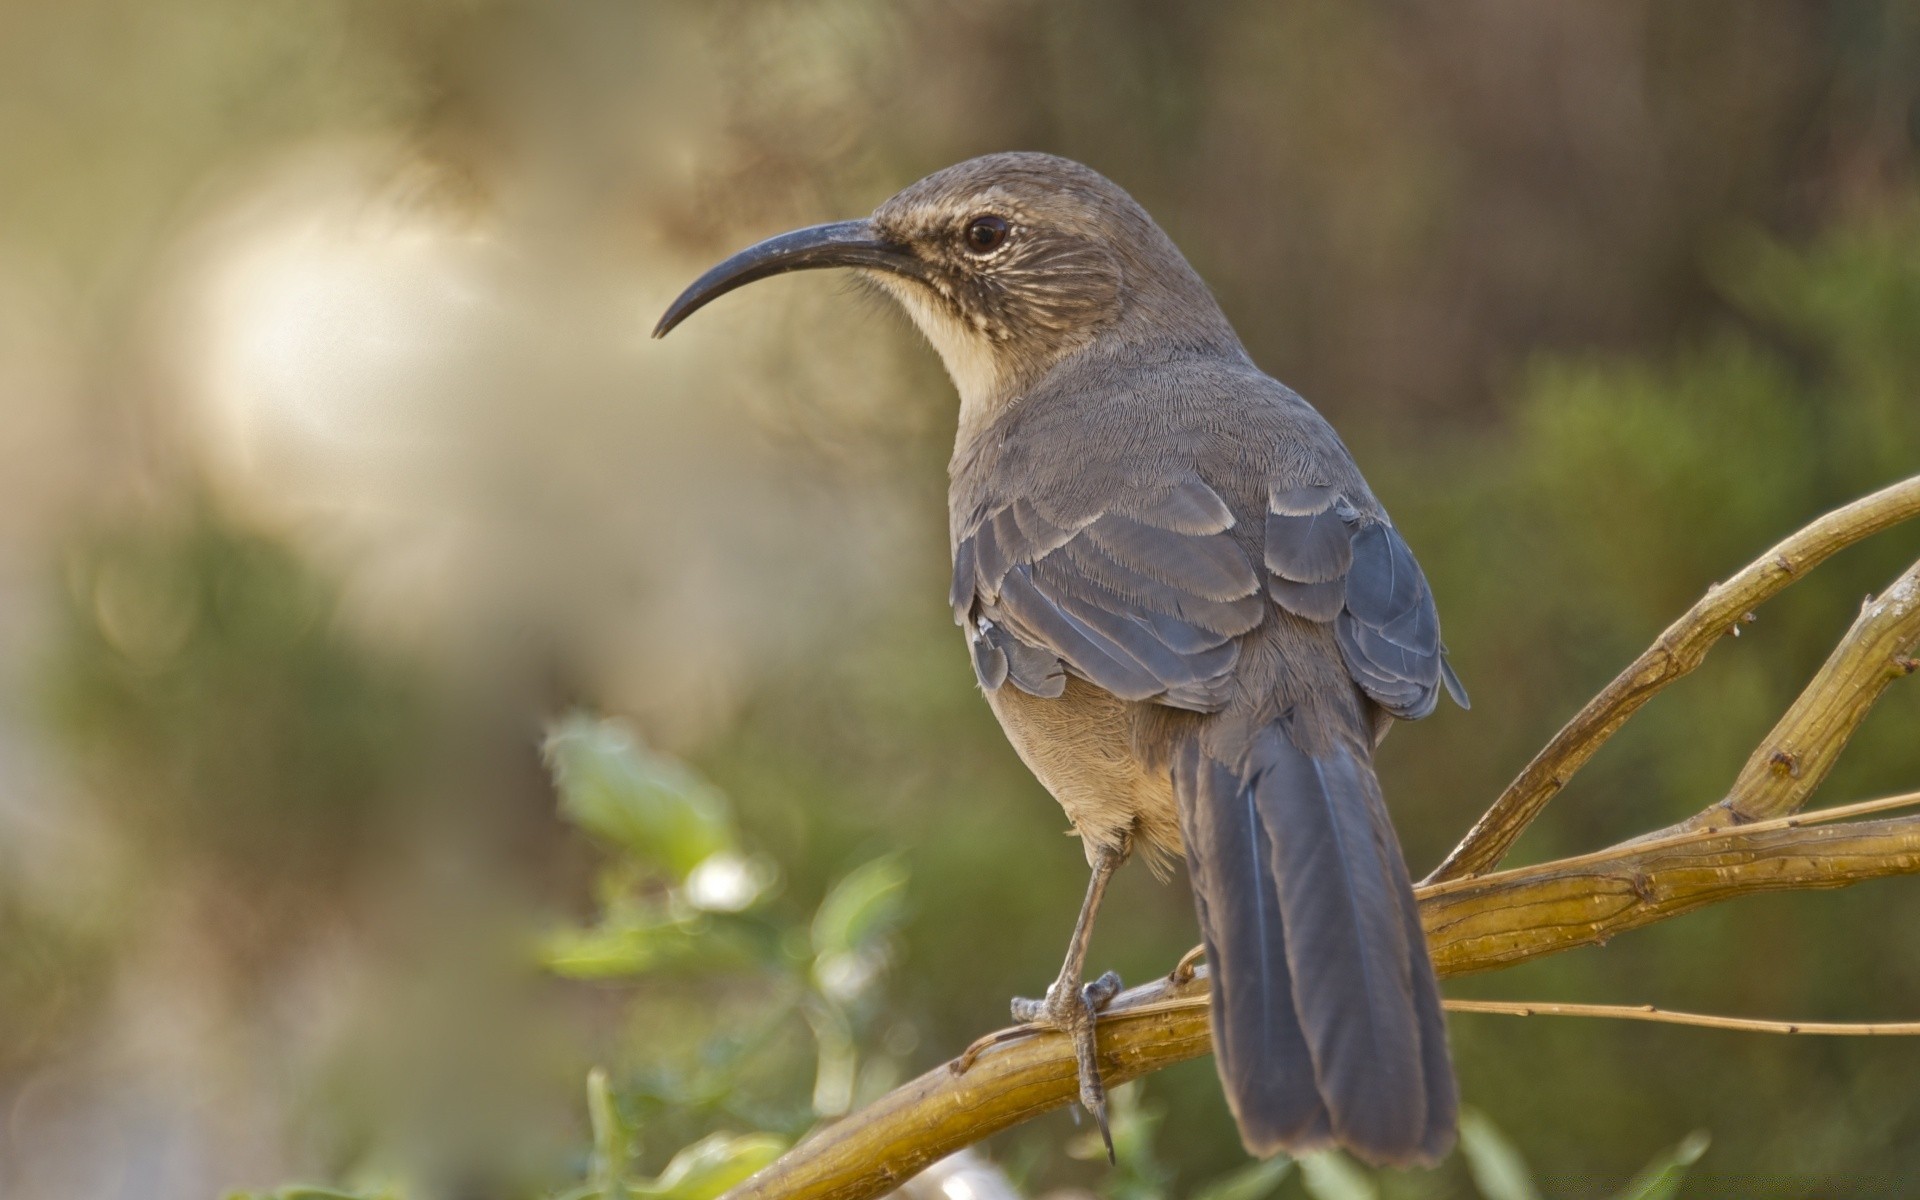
(1193,619)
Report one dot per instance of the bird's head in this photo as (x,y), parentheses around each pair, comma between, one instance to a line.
(1008,264)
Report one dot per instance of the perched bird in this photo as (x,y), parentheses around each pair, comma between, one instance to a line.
(1194,621)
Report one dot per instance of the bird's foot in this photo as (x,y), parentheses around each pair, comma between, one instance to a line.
(1074,1012)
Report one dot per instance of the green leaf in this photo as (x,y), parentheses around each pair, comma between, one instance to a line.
(1661,1178)
(712,1165)
(1330,1175)
(1255,1181)
(864,905)
(1497,1168)
(643,803)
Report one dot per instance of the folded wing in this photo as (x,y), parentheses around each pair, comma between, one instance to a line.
(1329,563)
(1144,597)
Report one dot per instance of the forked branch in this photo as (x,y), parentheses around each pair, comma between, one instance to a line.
(1674,653)
(1791,761)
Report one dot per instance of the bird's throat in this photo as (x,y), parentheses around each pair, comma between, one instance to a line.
(978,370)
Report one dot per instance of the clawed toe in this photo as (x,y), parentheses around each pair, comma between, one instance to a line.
(1074,1012)
(1086,1052)
(1035,1016)
(1100,993)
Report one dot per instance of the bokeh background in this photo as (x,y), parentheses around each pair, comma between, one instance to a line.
(335,464)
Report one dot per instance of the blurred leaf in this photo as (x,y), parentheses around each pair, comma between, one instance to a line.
(1255,1181)
(1331,1175)
(612,1143)
(1497,1168)
(622,949)
(1661,1178)
(834,1078)
(712,1165)
(640,802)
(1133,1123)
(864,905)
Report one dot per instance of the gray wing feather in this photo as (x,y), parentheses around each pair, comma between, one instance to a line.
(1390,631)
(965,570)
(999,656)
(1212,567)
(1309,535)
(1227,618)
(1327,563)
(1146,604)
(1034,618)
(1189,506)
(1320,602)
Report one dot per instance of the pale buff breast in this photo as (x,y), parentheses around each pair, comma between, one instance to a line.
(1081,747)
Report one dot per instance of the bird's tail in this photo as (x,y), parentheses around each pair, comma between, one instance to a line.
(1327,1024)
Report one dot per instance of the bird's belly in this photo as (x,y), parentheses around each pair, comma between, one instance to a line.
(1080,746)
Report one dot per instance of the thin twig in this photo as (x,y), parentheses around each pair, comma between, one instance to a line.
(1675,653)
(1667,1016)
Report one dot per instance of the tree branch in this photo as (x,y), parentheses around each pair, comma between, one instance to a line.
(1473,925)
(1482,921)
(1675,653)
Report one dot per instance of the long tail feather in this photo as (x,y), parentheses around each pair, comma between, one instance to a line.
(1258,1045)
(1327,1020)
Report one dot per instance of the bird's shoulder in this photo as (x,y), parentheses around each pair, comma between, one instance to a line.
(1097,435)
(1130,527)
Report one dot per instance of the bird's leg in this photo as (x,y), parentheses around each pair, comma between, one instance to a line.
(1069,1007)
(1072,1008)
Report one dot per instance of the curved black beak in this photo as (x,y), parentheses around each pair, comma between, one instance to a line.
(840,244)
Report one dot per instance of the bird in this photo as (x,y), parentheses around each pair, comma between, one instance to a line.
(1194,621)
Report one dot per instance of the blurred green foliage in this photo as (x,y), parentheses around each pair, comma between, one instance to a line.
(691,919)
(52,977)
(205,691)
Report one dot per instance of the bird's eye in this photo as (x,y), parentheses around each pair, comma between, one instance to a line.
(985,233)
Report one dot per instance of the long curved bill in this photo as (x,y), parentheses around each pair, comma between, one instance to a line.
(840,244)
